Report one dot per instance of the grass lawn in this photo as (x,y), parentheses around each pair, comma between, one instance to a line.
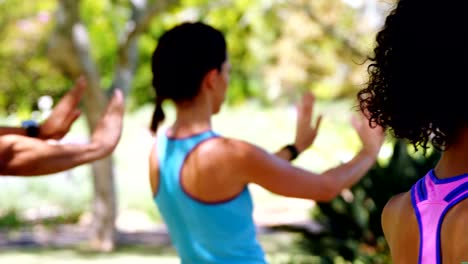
(277,247)
(71,256)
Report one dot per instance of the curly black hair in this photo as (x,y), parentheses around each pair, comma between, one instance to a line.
(416,88)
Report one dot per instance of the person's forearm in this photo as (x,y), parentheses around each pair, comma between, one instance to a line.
(12,131)
(23,156)
(283,154)
(348,174)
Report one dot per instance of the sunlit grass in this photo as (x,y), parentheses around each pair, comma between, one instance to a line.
(72,256)
(278,248)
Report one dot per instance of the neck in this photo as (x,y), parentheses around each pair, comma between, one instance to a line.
(191,118)
(453,160)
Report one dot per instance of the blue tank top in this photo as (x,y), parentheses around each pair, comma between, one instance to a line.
(220,232)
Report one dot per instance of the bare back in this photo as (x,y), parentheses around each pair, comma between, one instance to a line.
(207,175)
(401,230)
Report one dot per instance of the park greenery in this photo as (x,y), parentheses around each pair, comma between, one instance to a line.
(278,49)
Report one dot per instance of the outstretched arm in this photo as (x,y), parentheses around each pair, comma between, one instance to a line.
(238,163)
(280,177)
(12,131)
(26,156)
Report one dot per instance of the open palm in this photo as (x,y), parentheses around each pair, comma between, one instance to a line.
(64,114)
(305,131)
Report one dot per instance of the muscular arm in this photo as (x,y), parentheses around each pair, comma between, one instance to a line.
(29,156)
(283,154)
(12,131)
(242,163)
(280,177)
(245,163)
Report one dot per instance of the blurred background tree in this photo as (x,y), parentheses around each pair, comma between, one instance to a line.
(278,48)
(97,39)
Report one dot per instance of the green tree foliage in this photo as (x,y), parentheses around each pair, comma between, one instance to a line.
(277,48)
(25,73)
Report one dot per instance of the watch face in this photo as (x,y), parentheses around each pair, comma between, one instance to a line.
(31,127)
(28,123)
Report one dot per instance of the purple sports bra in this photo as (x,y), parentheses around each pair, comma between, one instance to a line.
(432,198)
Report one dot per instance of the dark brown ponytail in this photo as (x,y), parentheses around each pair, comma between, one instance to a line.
(183,56)
(158,115)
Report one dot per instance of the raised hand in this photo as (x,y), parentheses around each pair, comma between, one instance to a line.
(371,138)
(108,131)
(64,114)
(305,132)
(28,156)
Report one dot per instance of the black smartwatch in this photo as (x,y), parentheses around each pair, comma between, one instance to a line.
(293,150)
(32,128)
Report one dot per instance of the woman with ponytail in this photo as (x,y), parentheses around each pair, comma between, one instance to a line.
(200,179)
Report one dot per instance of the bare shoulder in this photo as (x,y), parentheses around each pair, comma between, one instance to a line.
(396,203)
(228,149)
(401,199)
(231,157)
(392,212)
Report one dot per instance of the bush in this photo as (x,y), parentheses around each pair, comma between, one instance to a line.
(352,223)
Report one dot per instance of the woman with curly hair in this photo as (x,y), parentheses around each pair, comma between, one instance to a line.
(416,92)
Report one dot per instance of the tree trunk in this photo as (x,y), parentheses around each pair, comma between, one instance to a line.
(104,207)
(70,50)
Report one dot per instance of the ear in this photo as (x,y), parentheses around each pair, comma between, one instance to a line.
(210,79)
